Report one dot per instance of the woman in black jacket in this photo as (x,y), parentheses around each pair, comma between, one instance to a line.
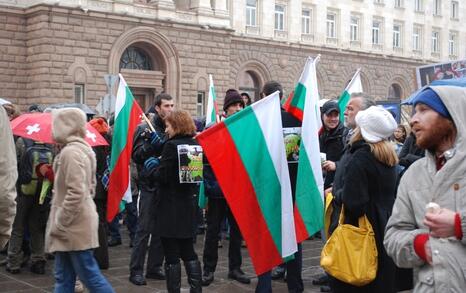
(177,174)
(369,188)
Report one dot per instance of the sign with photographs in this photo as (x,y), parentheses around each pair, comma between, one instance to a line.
(440,71)
(190,163)
(292,138)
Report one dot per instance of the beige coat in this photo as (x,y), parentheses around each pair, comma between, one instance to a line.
(420,185)
(8,176)
(73,219)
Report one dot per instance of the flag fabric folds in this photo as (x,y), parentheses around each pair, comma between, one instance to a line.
(247,154)
(309,207)
(354,86)
(127,117)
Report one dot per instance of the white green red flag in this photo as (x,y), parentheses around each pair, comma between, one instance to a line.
(294,105)
(354,86)
(247,154)
(127,117)
(212,108)
(309,204)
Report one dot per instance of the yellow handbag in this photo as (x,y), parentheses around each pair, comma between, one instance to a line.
(350,254)
(328,213)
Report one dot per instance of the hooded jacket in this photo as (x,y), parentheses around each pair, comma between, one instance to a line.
(421,184)
(73,219)
(8,176)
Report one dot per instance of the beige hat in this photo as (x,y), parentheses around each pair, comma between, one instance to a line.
(376,124)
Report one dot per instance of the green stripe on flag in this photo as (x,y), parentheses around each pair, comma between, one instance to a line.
(246,133)
(299,97)
(121,129)
(342,102)
(308,198)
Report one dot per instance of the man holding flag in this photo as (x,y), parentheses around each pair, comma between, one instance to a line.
(148,144)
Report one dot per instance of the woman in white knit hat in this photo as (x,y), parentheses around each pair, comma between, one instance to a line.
(370,188)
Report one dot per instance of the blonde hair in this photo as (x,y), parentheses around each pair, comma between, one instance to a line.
(383,151)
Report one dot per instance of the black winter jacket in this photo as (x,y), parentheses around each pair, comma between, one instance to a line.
(332,144)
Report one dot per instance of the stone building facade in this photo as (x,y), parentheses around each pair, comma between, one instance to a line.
(57,51)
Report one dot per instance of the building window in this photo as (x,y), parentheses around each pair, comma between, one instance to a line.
(452,44)
(435,41)
(376,25)
(454,9)
(437,7)
(135,58)
(331,25)
(396,36)
(306,22)
(398,3)
(280,17)
(251,12)
(354,28)
(417,38)
(395,92)
(200,104)
(418,5)
(79,93)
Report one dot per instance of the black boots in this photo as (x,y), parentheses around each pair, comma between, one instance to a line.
(173,276)
(194,272)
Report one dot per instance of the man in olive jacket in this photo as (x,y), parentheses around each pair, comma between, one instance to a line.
(430,239)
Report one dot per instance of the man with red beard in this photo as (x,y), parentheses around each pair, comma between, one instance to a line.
(426,228)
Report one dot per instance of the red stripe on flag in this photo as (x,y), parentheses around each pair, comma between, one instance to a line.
(119,178)
(219,148)
(300,227)
(296,112)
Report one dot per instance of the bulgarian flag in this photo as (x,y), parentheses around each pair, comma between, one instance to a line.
(247,154)
(127,117)
(309,203)
(294,105)
(354,86)
(212,108)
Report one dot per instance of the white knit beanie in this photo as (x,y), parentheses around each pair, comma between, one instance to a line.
(376,124)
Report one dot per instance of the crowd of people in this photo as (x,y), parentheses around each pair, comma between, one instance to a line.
(372,167)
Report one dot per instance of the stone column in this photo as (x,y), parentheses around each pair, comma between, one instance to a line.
(201,6)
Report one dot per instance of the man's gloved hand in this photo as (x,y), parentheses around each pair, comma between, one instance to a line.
(150,165)
(156,139)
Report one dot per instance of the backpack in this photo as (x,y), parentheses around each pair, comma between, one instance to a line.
(35,153)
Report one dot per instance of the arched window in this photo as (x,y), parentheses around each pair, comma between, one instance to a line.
(395,92)
(135,58)
(249,82)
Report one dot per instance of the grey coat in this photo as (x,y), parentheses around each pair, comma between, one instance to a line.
(421,184)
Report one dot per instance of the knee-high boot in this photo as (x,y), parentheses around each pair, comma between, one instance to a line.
(194,272)
(173,275)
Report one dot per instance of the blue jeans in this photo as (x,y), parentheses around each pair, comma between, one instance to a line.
(264,283)
(83,264)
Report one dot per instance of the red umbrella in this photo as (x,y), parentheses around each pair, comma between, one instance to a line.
(38,127)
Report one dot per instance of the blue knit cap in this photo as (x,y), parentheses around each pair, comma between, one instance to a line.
(430,98)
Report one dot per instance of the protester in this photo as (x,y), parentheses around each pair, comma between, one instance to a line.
(332,139)
(218,210)
(149,144)
(410,152)
(369,189)
(246,99)
(425,231)
(8,176)
(72,228)
(399,137)
(11,110)
(177,209)
(102,154)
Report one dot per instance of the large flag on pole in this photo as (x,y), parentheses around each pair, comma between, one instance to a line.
(247,154)
(354,86)
(309,207)
(212,108)
(127,117)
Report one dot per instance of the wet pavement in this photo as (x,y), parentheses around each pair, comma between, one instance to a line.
(118,273)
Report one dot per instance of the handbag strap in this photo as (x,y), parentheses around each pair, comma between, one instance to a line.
(363,221)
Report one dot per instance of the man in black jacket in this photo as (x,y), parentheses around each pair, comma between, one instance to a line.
(148,144)
(332,139)
(217,211)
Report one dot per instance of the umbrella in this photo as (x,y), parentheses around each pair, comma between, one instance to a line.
(38,127)
(461,82)
(83,107)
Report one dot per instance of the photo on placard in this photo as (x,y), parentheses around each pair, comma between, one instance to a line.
(292,138)
(190,163)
